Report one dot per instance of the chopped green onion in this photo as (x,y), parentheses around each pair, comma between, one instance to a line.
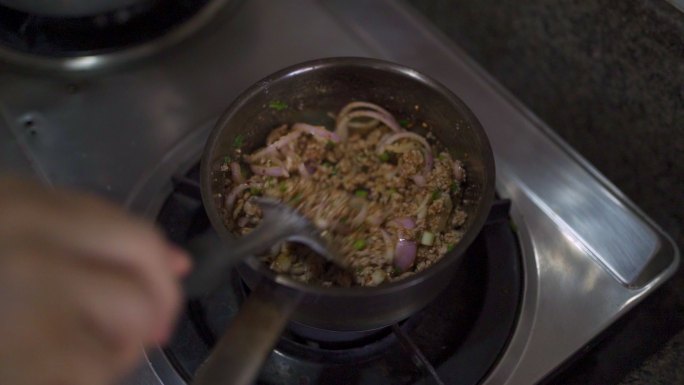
(442,156)
(404,122)
(360,244)
(450,247)
(396,271)
(277,105)
(282,186)
(255,191)
(226,159)
(329,145)
(455,187)
(385,157)
(361,193)
(238,141)
(392,190)
(297,198)
(435,194)
(427,239)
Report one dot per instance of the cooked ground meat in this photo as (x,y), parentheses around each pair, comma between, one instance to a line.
(378,191)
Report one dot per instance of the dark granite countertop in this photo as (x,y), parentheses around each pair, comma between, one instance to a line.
(608,76)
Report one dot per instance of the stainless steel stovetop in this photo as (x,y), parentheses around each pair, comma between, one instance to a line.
(589,254)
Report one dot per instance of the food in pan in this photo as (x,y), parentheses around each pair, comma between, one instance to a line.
(390,198)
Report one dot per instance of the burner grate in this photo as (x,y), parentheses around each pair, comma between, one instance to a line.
(78,36)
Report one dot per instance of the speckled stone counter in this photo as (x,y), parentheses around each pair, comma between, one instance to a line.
(608,76)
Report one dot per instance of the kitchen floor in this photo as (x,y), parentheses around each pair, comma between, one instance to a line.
(608,78)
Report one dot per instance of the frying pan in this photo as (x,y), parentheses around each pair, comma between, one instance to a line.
(311,90)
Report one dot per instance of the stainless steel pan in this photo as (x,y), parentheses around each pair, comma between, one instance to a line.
(311,90)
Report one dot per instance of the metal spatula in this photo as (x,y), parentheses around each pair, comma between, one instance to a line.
(214,256)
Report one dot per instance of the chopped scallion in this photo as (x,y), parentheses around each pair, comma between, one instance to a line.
(277,105)
(297,198)
(427,239)
(385,157)
(360,244)
(455,187)
(361,193)
(238,141)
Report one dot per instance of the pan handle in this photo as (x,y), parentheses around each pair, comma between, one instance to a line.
(239,354)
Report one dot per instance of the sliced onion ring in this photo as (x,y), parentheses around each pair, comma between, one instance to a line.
(318,131)
(269,171)
(276,134)
(303,171)
(232,196)
(406,222)
(273,147)
(236,173)
(427,150)
(361,216)
(342,127)
(405,254)
(353,105)
(361,125)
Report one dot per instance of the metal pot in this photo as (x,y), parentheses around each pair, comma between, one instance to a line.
(311,90)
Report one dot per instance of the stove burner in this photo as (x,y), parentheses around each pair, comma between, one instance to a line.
(24,35)
(329,346)
(458,337)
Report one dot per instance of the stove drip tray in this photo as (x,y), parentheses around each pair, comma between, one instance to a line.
(455,339)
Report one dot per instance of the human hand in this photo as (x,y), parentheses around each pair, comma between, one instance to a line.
(83,287)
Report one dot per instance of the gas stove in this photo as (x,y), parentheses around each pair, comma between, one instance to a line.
(564,255)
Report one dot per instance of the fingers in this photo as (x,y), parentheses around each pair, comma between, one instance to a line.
(96,230)
(67,322)
(91,265)
(180,261)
